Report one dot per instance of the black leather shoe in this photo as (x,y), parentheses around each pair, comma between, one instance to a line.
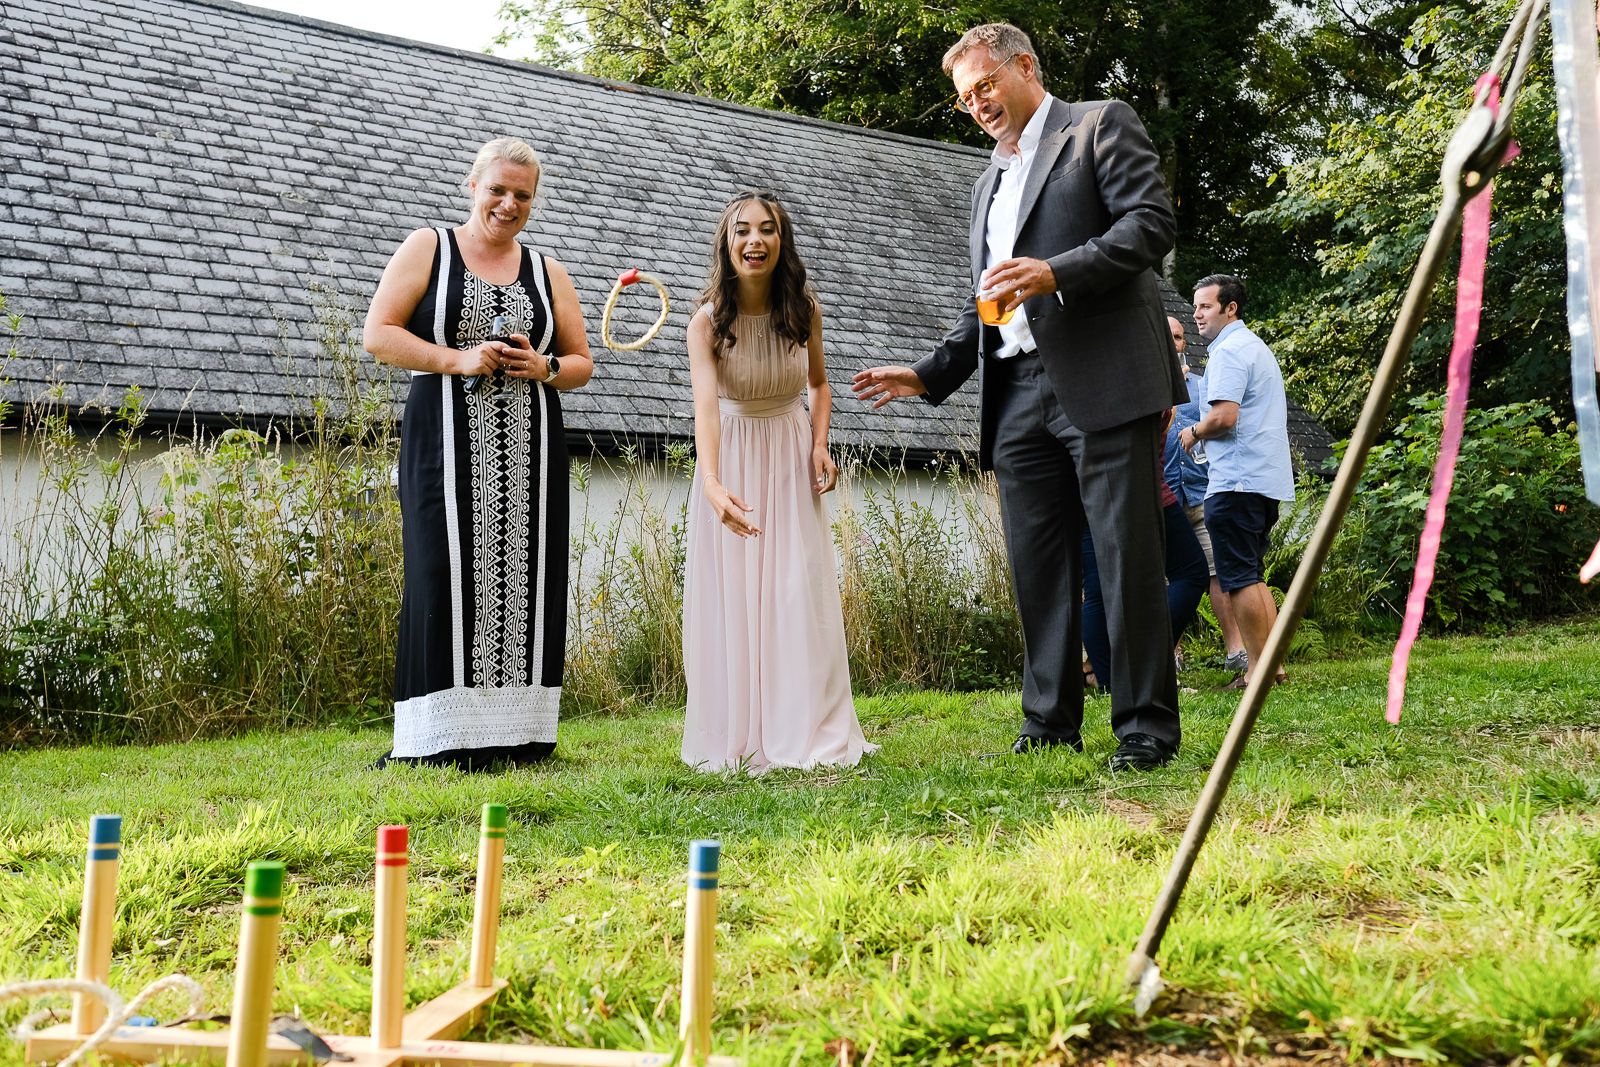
(1141,752)
(1029,743)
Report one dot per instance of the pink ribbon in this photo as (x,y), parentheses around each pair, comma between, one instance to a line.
(1469,305)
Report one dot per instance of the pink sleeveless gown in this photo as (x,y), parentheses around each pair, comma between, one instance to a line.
(763,632)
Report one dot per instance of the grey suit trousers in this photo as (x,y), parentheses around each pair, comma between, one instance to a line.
(1052,478)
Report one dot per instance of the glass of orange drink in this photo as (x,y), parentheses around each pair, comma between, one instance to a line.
(989,307)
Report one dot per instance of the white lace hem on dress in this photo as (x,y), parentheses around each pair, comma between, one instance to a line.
(465,717)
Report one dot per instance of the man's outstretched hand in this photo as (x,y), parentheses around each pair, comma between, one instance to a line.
(882,384)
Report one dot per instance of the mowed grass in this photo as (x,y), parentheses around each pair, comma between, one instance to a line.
(1427,891)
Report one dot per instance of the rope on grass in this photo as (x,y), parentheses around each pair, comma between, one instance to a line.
(625,279)
(117,1012)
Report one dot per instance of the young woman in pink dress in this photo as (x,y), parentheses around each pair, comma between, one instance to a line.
(763,632)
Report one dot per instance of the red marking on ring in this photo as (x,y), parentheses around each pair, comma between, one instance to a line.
(391,839)
(628,277)
(392,861)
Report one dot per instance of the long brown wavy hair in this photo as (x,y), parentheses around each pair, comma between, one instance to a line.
(793,302)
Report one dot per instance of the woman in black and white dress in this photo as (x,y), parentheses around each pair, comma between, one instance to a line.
(492,333)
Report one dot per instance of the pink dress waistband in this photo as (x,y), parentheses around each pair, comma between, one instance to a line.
(767,407)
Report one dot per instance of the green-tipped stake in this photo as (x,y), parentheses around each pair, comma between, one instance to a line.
(258,957)
(486,908)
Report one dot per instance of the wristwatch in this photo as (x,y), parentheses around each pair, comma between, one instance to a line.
(554,364)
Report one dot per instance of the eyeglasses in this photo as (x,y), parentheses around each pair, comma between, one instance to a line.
(981,89)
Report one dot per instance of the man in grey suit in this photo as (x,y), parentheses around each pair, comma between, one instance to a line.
(1068,224)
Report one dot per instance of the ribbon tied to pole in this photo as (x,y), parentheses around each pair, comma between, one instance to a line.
(1469,309)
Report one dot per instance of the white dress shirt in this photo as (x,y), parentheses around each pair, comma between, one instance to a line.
(1001,233)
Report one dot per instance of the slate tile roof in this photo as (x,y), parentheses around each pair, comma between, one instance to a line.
(181,174)
(189,189)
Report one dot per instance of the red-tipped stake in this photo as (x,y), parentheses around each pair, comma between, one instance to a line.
(389,939)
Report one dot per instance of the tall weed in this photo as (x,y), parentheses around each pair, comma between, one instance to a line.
(625,615)
(233,580)
(161,585)
(927,593)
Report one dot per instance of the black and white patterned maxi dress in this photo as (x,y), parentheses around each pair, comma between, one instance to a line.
(483,500)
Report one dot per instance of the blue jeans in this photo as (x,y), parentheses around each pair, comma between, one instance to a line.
(1188,577)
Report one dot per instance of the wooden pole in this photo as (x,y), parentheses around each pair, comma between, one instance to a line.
(1476,150)
(389,939)
(486,907)
(699,951)
(258,959)
(96,918)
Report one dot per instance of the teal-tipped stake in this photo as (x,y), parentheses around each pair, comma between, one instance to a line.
(699,951)
(97,917)
(258,959)
(486,905)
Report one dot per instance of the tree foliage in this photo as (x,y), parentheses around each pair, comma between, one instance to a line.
(1365,207)
(1301,139)
(1230,91)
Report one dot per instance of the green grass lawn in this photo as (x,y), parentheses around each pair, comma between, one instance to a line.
(1427,891)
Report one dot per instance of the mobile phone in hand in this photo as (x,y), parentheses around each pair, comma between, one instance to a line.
(499,330)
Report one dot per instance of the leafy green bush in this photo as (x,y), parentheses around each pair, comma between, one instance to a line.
(1516,530)
(1518,525)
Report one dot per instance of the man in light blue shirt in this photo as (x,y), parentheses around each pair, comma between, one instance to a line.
(1189,481)
(1244,425)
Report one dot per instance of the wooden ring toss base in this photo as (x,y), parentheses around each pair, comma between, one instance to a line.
(625,279)
(427,1035)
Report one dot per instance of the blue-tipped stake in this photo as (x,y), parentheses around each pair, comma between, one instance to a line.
(699,950)
(97,917)
(704,856)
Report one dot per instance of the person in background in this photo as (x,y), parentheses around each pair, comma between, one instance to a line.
(1186,584)
(1188,481)
(1244,425)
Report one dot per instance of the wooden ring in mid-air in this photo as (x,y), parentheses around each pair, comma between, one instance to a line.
(627,278)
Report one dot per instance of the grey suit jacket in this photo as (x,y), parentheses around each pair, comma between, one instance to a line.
(1095,208)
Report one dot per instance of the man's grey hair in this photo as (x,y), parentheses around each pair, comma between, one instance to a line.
(1003,41)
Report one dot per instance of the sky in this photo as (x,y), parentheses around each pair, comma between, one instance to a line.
(465,24)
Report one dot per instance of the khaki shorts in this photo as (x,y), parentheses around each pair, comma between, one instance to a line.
(1197,519)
